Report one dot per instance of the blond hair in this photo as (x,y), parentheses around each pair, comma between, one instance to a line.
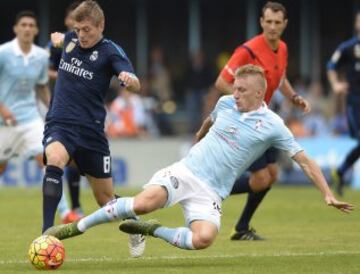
(91,10)
(252,70)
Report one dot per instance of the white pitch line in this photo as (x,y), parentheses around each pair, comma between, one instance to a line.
(239,255)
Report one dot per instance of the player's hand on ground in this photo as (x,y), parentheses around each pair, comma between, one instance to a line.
(128,79)
(300,102)
(57,39)
(7,116)
(340,87)
(343,206)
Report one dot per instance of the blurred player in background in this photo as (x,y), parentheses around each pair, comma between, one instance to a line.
(71,173)
(74,129)
(23,78)
(270,52)
(231,139)
(347,56)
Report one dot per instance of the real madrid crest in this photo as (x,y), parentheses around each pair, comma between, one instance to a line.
(70,47)
(94,55)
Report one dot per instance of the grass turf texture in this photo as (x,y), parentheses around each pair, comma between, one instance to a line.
(303,236)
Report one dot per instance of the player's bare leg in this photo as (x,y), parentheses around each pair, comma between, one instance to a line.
(102,188)
(201,235)
(150,199)
(104,193)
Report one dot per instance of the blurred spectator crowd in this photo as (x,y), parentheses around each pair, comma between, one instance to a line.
(326,118)
(169,105)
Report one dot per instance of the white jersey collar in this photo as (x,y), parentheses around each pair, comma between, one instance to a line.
(263,108)
(19,52)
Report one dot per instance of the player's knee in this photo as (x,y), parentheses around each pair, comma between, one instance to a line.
(53,159)
(261,180)
(202,240)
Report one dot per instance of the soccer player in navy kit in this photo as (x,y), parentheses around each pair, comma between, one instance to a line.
(347,56)
(74,129)
(71,173)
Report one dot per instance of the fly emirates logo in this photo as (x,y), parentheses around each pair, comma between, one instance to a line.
(75,68)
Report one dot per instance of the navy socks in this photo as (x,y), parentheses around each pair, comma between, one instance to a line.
(52,192)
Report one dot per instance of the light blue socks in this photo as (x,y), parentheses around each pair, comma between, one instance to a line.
(120,208)
(180,237)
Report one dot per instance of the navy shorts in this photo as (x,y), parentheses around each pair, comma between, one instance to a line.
(353,118)
(89,150)
(269,157)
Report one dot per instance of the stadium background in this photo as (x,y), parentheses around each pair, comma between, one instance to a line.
(303,235)
(315,29)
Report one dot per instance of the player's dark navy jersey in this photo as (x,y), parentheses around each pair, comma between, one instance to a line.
(347,56)
(83,79)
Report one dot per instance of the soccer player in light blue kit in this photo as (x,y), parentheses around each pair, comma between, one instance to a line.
(23,70)
(23,76)
(239,130)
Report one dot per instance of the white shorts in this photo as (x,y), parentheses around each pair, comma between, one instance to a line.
(24,140)
(197,199)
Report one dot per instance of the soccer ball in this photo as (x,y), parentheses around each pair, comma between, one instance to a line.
(46,252)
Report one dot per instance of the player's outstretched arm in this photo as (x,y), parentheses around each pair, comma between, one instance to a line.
(206,125)
(130,81)
(313,171)
(57,39)
(339,87)
(297,100)
(223,86)
(7,116)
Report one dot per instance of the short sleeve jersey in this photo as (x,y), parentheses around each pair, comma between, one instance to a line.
(258,52)
(19,74)
(83,79)
(347,56)
(235,140)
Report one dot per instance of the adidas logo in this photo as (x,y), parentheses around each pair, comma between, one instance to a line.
(52,180)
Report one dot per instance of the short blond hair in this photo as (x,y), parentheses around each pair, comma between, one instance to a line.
(252,70)
(91,10)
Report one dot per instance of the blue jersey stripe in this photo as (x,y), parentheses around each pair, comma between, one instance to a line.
(119,49)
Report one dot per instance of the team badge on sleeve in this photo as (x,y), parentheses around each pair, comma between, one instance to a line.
(70,47)
(357,51)
(336,56)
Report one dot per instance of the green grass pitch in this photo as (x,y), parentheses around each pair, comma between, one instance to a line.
(303,236)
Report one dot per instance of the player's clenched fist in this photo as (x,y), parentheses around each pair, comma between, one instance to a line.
(57,39)
(129,80)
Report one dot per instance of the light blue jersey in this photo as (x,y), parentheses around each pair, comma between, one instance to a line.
(19,74)
(234,142)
